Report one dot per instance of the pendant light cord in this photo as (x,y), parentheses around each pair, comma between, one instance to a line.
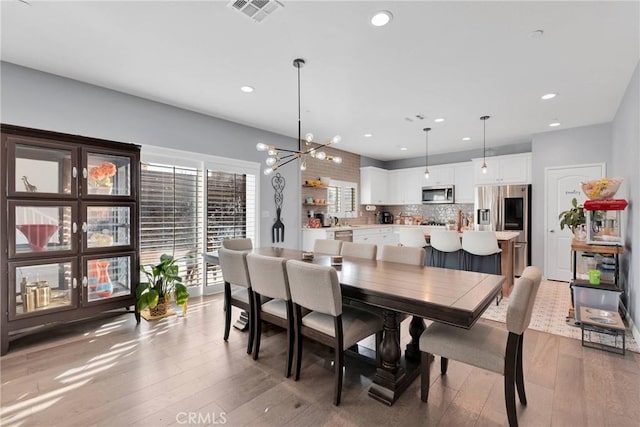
(299,122)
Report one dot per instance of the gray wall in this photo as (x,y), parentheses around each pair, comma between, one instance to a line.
(44,101)
(587,144)
(626,159)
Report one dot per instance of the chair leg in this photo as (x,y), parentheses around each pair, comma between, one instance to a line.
(520,374)
(290,339)
(257,322)
(251,322)
(425,365)
(298,333)
(227,310)
(510,378)
(339,359)
(444,365)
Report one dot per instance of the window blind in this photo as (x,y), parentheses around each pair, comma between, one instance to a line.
(172,217)
(231,212)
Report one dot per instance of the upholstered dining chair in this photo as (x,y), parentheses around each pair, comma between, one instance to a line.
(403,254)
(327,246)
(237,244)
(445,244)
(413,237)
(359,250)
(237,288)
(317,288)
(269,278)
(489,347)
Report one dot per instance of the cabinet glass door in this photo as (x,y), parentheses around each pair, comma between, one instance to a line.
(41,227)
(107,175)
(36,289)
(41,168)
(108,226)
(107,277)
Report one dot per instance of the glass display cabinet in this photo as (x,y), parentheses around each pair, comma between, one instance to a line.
(70,245)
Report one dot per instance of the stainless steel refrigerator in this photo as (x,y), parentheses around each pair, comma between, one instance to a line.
(507,208)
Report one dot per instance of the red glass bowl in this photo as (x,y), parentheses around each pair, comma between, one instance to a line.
(38,234)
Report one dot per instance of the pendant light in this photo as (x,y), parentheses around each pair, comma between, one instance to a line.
(276,157)
(426,153)
(484,143)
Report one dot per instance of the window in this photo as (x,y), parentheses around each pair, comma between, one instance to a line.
(342,199)
(171,217)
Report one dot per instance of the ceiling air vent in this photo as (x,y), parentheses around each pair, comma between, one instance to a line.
(255,9)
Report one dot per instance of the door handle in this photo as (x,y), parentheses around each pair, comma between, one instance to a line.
(552,231)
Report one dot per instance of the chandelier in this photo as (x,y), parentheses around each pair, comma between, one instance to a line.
(279,157)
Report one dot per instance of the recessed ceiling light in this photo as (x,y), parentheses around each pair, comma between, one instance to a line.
(246,89)
(368,135)
(439,120)
(381,18)
(554,123)
(403,148)
(466,138)
(548,96)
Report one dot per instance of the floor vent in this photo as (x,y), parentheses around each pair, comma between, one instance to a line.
(257,10)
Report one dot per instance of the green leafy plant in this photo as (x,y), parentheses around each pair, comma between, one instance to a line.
(573,217)
(162,282)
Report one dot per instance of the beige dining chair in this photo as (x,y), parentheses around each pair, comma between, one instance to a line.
(444,244)
(485,346)
(317,288)
(359,250)
(237,288)
(269,278)
(410,236)
(237,244)
(403,254)
(327,246)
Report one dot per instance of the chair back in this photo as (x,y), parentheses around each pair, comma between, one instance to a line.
(522,299)
(269,276)
(237,244)
(359,250)
(413,237)
(403,254)
(315,287)
(446,240)
(480,242)
(234,267)
(327,246)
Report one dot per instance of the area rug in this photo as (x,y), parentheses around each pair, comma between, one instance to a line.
(550,314)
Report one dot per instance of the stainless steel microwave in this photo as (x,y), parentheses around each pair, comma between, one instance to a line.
(438,194)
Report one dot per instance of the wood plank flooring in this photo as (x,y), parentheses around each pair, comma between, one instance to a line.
(178,371)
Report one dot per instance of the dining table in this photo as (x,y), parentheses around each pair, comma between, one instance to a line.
(454,297)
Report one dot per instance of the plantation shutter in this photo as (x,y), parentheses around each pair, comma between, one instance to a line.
(171,218)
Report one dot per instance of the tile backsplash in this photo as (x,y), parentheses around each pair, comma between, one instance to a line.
(437,213)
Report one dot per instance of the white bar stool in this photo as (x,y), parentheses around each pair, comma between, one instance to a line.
(478,246)
(444,243)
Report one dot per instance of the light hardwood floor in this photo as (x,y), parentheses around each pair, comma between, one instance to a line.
(114,373)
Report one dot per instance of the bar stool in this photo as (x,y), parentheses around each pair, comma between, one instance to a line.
(481,253)
(412,237)
(443,243)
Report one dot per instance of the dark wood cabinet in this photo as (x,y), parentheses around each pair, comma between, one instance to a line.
(69,222)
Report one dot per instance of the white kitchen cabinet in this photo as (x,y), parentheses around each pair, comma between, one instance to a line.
(509,169)
(440,175)
(379,236)
(463,180)
(309,236)
(405,186)
(374,185)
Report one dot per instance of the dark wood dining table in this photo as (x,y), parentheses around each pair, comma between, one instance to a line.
(443,295)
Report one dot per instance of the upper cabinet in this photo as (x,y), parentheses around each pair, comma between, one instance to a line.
(463,181)
(405,186)
(374,184)
(440,175)
(509,169)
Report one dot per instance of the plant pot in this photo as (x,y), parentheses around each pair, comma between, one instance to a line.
(160,309)
(580,233)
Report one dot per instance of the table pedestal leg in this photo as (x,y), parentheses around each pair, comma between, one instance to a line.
(412,352)
(243,321)
(393,376)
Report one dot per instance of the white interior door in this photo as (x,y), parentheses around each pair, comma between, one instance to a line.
(562,184)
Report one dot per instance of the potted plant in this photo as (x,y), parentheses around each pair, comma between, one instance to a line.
(574,219)
(162,283)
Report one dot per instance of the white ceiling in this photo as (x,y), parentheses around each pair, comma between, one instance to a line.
(458,60)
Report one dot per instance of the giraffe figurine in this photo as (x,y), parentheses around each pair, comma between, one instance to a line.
(29,187)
